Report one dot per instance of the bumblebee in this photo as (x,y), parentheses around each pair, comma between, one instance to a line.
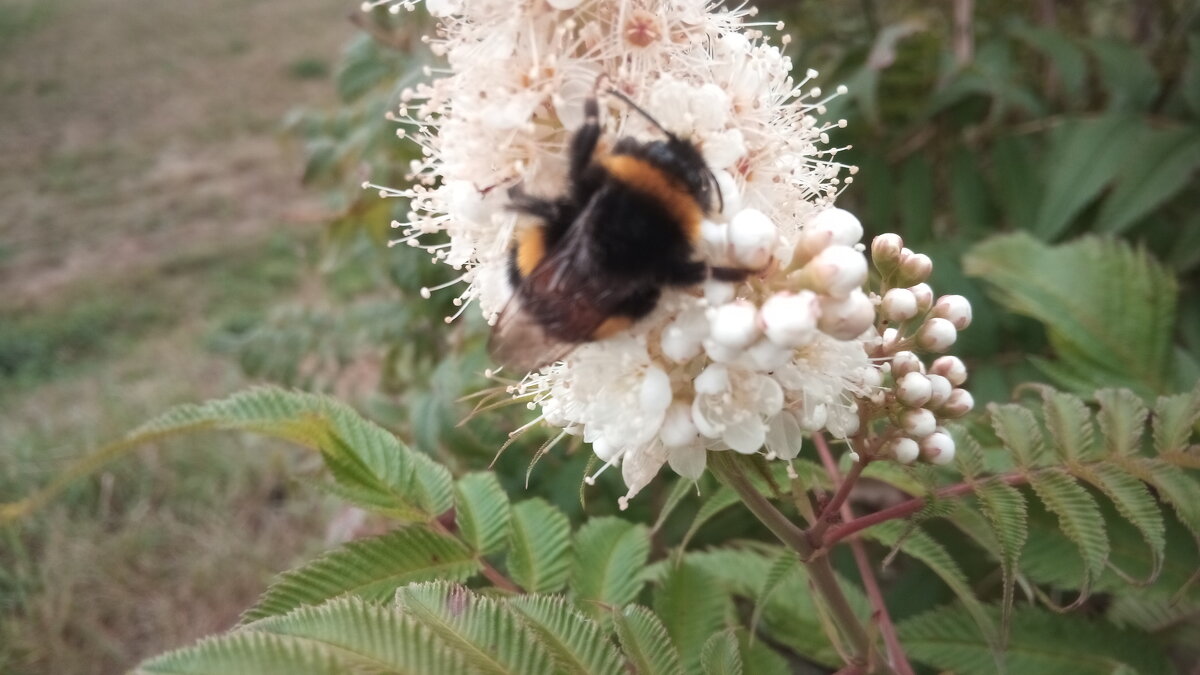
(601,254)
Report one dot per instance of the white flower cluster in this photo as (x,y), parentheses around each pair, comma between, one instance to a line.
(794,350)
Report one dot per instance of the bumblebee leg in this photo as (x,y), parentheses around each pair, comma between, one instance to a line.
(583,143)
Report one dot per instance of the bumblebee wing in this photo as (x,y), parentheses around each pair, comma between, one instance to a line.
(520,344)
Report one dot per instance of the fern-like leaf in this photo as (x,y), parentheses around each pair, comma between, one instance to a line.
(693,607)
(1078,517)
(245,653)
(1004,507)
(482,512)
(721,655)
(371,568)
(539,556)
(1122,420)
(715,503)
(609,554)
(575,641)
(1020,432)
(487,634)
(1135,503)
(1070,424)
(1174,418)
(646,642)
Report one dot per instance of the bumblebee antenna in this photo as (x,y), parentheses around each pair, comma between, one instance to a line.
(650,118)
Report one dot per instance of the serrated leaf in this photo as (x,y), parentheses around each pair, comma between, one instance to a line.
(1040,643)
(487,634)
(244,653)
(1175,487)
(1109,309)
(1174,418)
(1135,503)
(1020,432)
(1160,167)
(1086,155)
(693,607)
(718,501)
(780,568)
(539,555)
(575,641)
(758,658)
(680,490)
(646,642)
(609,554)
(1070,424)
(1004,507)
(482,512)
(721,655)
(371,568)
(969,458)
(916,543)
(1122,420)
(1078,517)
(433,485)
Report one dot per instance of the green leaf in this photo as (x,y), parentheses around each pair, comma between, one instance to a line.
(1070,424)
(539,556)
(433,485)
(1122,420)
(679,490)
(1174,418)
(1068,60)
(783,565)
(718,501)
(1175,487)
(1040,643)
(247,653)
(693,607)
(576,642)
(1004,507)
(916,543)
(1108,309)
(1019,179)
(916,198)
(1020,432)
(1135,503)
(371,568)
(720,655)
(1078,517)
(482,512)
(1086,156)
(758,658)
(1160,167)
(969,196)
(646,642)
(1129,78)
(488,635)
(1190,85)
(609,554)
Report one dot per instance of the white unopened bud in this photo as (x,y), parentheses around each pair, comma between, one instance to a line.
(765,356)
(731,196)
(924,295)
(721,353)
(899,304)
(938,448)
(678,429)
(914,269)
(951,368)
(960,403)
(837,270)
(843,226)
(914,390)
(790,320)
(564,4)
(954,308)
(846,319)
(656,390)
(937,335)
(718,292)
(885,251)
(939,390)
(712,380)
(918,422)
(716,239)
(734,324)
(905,450)
(752,237)
(684,337)
(906,362)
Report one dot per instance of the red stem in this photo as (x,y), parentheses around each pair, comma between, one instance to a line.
(865,571)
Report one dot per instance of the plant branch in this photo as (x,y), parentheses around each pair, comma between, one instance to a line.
(899,660)
(447,524)
(820,573)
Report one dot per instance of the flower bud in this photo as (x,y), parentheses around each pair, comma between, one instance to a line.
(960,403)
(899,304)
(790,320)
(954,308)
(837,270)
(731,196)
(712,380)
(752,237)
(951,368)
(938,448)
(918,422)
(678,429)
(734,324)
(937,335)
(843,227)
(905,450)
(684,337)
(924,295)
(939,391)
(914,269)
(904,363)
(885,252)
(846,319)
(765,356)
(718,292)
(914,390)
(716,239)
(656,390)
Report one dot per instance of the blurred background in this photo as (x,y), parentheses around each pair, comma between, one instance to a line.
(181,216)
